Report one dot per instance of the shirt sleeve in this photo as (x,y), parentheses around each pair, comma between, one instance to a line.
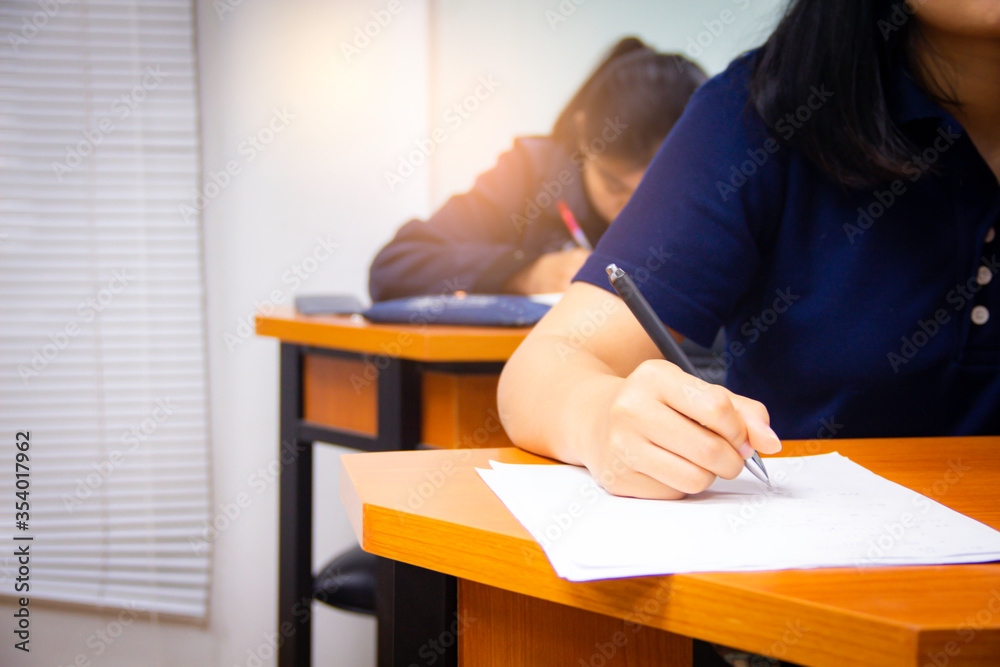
(472,243)
(694,234)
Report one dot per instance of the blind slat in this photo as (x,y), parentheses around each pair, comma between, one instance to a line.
(99,150)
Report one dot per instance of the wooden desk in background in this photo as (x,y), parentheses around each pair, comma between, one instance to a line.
(513,611)
(375,388)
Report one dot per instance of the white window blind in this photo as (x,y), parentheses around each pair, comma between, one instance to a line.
(102,340)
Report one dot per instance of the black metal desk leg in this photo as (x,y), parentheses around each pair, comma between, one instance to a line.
(416,607)
(400,404)
(418,621)
(295,580)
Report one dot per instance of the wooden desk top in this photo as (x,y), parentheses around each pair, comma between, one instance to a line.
(430,342)
(431,509)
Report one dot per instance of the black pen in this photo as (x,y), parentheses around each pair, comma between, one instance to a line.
(671,351)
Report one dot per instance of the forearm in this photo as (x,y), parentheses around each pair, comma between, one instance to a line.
(553,398)
(410,267)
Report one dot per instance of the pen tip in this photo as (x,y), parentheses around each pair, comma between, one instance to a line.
(611,269)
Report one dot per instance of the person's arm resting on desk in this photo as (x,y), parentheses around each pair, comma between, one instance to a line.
(469,244)
(638,423)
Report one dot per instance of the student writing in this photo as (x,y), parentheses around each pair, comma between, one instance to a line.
(832,200)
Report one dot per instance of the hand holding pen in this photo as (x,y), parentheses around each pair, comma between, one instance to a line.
(668,347)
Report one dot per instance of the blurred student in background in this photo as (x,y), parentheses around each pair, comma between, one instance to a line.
(508,234)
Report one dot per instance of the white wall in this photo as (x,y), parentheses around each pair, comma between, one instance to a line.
(323,176)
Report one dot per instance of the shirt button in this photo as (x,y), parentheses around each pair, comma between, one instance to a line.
(980,315)
(984,275)
(990,235)
(519,254)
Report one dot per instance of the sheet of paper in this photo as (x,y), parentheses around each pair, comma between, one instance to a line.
(823,511)
(549,298)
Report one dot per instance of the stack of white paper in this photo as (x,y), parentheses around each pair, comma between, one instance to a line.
(823,511)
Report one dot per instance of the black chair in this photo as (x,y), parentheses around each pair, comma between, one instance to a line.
(348,582)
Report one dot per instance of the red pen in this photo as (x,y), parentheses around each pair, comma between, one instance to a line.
(571,224)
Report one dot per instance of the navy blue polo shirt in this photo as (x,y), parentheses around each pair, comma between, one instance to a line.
(869,313)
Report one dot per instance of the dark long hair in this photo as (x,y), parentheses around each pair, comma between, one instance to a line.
(850,47)
(647,90)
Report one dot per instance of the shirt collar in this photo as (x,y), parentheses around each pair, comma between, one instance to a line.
(908,101)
